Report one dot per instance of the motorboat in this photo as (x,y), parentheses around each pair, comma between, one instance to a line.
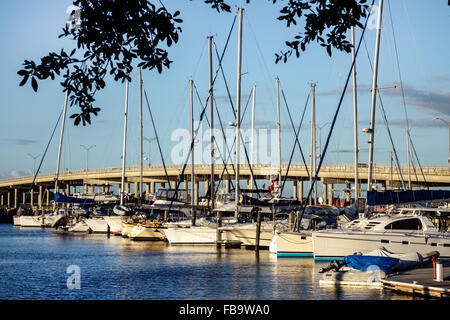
(400,232)
(370,268)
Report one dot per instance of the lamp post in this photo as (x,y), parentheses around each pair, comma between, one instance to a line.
(149,146)
(87,154)
(448,124)
(34,162)
(320,139)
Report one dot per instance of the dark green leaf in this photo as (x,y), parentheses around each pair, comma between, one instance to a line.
(34,84)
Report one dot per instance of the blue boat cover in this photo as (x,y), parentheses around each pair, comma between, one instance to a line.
(397,197)
(365,263)
(58,197)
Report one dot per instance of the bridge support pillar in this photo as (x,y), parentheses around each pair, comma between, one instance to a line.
(196,185)
(227,186)
(8,200)
(136,190)
(206,183)
(152,187)
(15,198)
(330,194)
(348,192)
(40,197)
(32,198)
(294,190)
(325,192)
(300,190)
(48,196)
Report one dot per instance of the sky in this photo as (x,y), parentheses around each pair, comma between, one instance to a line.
(30,29)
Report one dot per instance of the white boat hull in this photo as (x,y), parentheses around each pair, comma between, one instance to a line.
(339,243)
(50,220)
(80,227)
(293,244)
(146,233)
(198,235)
(16,220)
(246,234)
(97,225)
(126,228)
(31,221)
(115,224)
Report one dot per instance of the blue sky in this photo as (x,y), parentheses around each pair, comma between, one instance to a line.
(30,29)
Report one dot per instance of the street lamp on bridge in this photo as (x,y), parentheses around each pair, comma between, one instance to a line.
(34,163)
(87,154)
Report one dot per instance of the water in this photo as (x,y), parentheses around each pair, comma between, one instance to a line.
(34,265)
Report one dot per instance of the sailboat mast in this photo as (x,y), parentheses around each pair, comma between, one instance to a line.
(124,146)
(141,160)
(61,141)
(211,119)
(191,100)
(374,96)
(409,159)
(252,142)
(355,116)
(279,132)
(238,109)
(313,141)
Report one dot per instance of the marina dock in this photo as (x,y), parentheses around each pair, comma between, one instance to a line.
(420,282)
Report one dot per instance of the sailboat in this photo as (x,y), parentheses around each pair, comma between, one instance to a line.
(300,243)
(196,231)
(27,217)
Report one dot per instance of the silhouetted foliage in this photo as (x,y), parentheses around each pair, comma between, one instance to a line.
(111,34)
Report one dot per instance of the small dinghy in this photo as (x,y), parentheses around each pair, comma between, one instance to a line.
(370,268)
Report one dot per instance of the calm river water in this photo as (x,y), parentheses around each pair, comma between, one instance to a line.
(40,264)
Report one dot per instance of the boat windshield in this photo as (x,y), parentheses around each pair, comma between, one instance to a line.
(405,224)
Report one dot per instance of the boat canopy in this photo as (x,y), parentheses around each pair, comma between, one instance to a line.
(397,197)
(58,197)
(368,263)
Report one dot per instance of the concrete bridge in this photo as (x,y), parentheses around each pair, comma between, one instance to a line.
(13,192)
